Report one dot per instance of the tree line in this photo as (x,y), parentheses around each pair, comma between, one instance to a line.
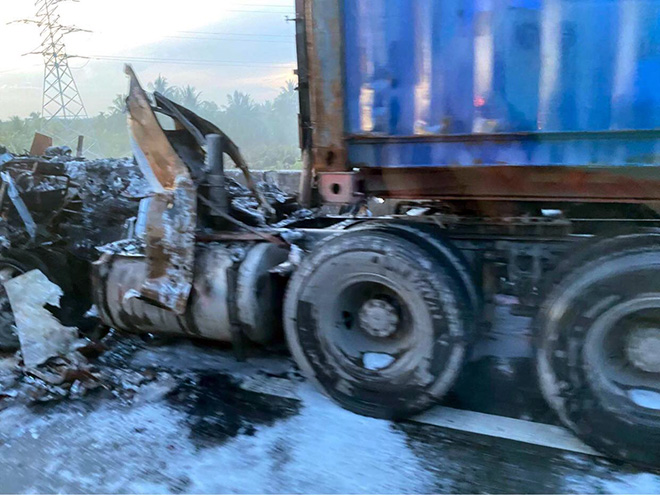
(267,132)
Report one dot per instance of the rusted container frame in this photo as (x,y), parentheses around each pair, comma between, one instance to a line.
(523,183)
(323,46)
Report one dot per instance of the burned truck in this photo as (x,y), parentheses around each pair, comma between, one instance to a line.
(516,146)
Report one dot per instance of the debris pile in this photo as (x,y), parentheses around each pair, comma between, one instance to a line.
(52,360)
(54,363)
(54,212)
(99,368)
(245,207)
(75,203)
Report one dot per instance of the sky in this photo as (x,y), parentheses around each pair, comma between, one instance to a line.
(218,46)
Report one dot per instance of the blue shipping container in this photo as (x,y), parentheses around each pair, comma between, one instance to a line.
(493,82)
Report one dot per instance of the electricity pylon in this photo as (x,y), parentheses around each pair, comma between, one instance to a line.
(62,106)
(61,99)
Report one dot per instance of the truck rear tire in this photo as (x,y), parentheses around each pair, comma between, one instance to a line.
(598,348)
(378,323)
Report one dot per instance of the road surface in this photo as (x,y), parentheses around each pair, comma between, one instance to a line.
(206,423)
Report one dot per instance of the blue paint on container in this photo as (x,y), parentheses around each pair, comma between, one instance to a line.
(519,82)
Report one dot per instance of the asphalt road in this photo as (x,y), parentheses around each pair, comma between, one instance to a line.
(206,423)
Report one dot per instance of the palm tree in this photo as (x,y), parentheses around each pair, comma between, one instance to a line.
(282,117)
(239,102)
(189,97)
(289,87)
(210,110)
(16,124)
(160,85)
(118,105)
(242,119)
(288,97)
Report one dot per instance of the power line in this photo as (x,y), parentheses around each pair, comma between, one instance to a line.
(260,11)
(239,34)
(222,63)
(249,40)
(266,5)
(215,38)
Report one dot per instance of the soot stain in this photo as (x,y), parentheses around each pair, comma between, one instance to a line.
(218,409)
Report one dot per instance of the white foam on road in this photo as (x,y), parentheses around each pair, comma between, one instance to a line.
(517,430)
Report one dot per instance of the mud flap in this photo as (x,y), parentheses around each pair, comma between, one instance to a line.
(172,216)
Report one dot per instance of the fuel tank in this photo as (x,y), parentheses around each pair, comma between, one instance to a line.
(233,291)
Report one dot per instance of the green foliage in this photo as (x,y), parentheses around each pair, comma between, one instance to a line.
(267,133)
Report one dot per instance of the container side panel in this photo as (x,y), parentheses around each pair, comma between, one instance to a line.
(499,67)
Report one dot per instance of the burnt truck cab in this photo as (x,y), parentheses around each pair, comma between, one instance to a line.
(515,145)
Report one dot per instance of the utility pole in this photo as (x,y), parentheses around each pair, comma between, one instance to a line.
(62,106)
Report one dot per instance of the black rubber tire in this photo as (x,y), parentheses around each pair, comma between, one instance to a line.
(584,289)
(592,249)
(434,297)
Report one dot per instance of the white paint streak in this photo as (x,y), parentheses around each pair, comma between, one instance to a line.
(517,430)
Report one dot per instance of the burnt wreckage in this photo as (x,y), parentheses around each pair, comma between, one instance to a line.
(380,312)
(156,221)
(209,245)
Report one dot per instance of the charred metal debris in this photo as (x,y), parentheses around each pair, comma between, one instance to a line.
(57,199)
(62,215)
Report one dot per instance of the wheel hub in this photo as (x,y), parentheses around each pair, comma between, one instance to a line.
(643,349)
(378,318)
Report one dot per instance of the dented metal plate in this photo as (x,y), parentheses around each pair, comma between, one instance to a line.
(172,217)
(41,335)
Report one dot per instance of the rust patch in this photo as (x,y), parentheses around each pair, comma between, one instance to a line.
(40,143)
(324,50)
(509,183)
(172,217)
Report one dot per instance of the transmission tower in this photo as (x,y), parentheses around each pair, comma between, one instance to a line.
(61,99)
(62,106)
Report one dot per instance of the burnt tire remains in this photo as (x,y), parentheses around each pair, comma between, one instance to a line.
(378,323)
(598,349)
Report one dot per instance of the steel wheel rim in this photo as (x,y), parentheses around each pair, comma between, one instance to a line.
(362,353)
(607,353)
